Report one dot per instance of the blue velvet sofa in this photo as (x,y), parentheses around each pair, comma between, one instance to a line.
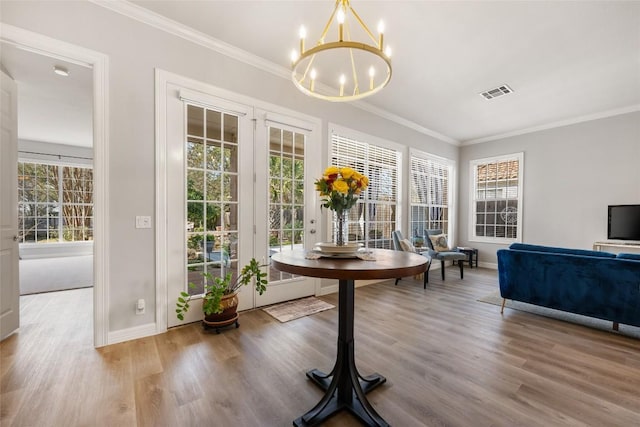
(596,284)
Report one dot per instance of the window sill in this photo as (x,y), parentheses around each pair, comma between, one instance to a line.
(495,241)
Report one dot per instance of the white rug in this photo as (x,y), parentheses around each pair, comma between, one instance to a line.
(296,309)
(591,322)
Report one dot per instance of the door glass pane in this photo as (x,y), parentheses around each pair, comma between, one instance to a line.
(195,184)
(195,153)
(230,157)
(230,128)
(195,118)
(211,195)
(286,194)
(214,125)
(214,155)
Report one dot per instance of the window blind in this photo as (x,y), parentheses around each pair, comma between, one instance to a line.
(429,194)
(373,218)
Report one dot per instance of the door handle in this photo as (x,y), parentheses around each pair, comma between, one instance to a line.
(15,238)
(312,231)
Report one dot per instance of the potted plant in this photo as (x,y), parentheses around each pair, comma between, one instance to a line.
(220,300)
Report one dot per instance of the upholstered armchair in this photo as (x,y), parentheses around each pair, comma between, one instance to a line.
(402,244)
(442,251)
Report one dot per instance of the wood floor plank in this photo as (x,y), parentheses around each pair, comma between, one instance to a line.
(449,361)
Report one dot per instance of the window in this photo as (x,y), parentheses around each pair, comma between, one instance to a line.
(430,193)
(55,203)
(373,218)
(496,205)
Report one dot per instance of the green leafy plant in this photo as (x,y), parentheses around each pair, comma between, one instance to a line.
(216,287)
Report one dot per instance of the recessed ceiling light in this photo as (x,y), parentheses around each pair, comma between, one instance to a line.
(61,71)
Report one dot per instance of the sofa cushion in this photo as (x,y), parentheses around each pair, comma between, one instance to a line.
(439,242)
(629,256)
(539,248)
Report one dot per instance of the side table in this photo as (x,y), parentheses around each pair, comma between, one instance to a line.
(471,253)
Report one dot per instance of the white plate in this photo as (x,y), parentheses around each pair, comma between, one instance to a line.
(332,248)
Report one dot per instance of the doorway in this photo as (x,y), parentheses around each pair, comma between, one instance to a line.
(51,227)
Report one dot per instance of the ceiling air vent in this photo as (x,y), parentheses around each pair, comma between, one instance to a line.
(499,91)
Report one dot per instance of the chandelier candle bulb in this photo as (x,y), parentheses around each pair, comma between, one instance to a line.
(372,73)
(313,79)
(340,19)
(381,31)
(303,35)
(343,79)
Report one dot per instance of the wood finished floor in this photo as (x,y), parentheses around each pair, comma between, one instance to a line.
(449,361)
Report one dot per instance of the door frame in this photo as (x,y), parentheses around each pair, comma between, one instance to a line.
(99,63)
(162,80)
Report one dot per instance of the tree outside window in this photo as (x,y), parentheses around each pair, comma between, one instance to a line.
(55,203)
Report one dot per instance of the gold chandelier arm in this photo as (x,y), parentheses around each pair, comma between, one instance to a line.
(326,27)
(356,87)
(373,38)
(306,70)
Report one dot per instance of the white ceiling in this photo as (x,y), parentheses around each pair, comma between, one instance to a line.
(51,108)
(566,61)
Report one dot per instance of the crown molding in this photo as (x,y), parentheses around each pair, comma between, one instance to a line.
(552,125)
(170,26)
(404,122)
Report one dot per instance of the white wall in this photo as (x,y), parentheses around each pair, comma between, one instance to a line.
(571,175)
(134,51)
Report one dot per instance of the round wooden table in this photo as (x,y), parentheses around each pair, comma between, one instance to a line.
(344,387)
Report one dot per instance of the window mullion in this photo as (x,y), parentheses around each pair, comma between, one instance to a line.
(60,201)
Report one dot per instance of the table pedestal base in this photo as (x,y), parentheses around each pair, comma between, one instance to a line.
(344,387)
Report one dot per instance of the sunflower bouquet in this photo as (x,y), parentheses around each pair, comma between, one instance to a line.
(340,188)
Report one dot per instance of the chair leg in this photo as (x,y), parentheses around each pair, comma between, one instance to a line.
(397,280)
(504,300)
(442,268)
(426,276)
(461,264)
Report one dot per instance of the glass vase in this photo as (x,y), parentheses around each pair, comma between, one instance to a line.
(340,227)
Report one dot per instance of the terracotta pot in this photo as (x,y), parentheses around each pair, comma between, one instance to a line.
(229,305)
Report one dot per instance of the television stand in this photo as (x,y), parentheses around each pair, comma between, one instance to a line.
(617,246)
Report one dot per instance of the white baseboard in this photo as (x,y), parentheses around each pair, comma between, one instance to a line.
(489,265)
(128,334)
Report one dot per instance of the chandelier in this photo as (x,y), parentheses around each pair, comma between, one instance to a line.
(344,69)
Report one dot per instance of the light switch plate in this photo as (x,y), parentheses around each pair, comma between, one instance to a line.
(143,222)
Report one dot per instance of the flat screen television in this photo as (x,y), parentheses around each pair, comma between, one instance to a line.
(624,222)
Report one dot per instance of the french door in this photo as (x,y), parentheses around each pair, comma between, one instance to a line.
(238,186)
(285,211)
